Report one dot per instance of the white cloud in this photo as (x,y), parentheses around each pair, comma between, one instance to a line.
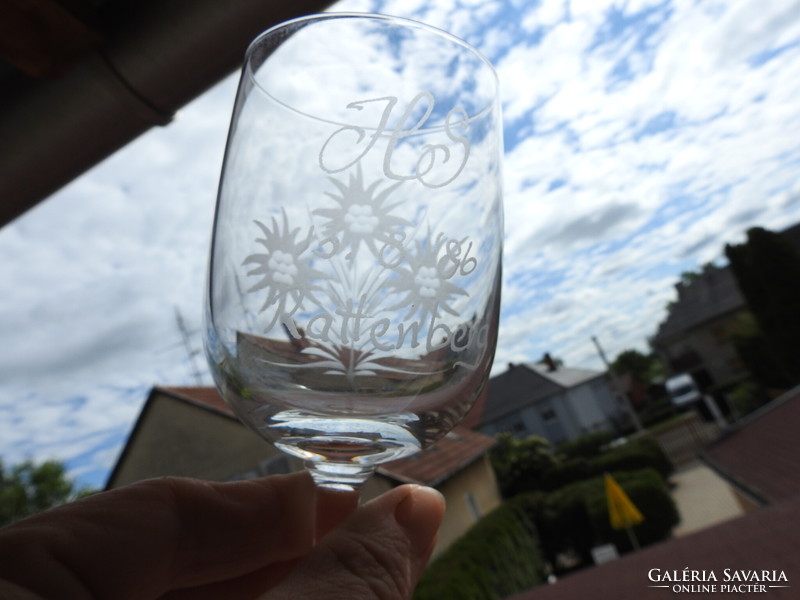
(545,14)
(635,154)
(750,28)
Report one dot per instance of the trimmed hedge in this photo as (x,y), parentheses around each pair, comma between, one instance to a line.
(639,453)
(649,493)
(499,556)
(586,446)
(575,517)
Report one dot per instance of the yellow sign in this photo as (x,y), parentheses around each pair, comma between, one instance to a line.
(621,510)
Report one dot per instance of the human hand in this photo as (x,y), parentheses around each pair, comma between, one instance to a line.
(180,538)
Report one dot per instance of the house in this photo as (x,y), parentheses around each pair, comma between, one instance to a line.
(552,401)
(191,432)
(696,336)
(760,459)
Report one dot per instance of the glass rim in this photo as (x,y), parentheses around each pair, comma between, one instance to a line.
(248,72)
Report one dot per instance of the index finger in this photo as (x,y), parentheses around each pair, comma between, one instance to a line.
(154,536)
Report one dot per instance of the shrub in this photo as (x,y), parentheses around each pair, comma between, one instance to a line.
(657,412)
(498,557)
(549,475)
(649,493)
(517,461)
(639,453)
(747,397)
(567,472)
(562,521)
(586,446)
(576,518)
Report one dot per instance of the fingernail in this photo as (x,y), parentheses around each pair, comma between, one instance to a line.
(420,513)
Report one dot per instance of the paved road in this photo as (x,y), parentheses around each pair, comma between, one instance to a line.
(703,498)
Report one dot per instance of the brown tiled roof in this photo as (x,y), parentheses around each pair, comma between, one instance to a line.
(455,451)
(207,397)
(765,539)
(762,455)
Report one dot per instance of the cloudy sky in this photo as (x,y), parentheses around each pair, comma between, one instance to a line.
(640,138)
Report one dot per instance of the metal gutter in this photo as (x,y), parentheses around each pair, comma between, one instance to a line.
(160,54)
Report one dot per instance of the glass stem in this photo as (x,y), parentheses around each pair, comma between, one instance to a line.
(344,477)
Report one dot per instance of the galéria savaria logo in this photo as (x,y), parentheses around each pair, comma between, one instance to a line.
(737,581)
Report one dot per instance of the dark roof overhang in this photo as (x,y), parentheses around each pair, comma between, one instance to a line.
(79,79)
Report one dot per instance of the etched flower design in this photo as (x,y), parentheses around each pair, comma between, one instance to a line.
(349,306)
(423,280)
(284,269)
(362,215)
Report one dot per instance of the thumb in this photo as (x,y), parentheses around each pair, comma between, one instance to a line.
(379,552)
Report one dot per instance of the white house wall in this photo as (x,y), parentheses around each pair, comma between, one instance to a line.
(587,407)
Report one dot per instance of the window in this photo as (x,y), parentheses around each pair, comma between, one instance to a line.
(548,414)
(473,505)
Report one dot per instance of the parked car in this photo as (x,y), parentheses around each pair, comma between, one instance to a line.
(682,390)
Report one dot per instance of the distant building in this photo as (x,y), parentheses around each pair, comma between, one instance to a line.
(191,432)
(552,401)
(696,336)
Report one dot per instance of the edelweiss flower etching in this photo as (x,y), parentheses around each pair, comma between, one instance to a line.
(284,270)
(354,313)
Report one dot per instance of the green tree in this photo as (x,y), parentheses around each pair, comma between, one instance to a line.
(689,277)
(516,459)
(758,354)
(644,367)
(28,488)
(767,270)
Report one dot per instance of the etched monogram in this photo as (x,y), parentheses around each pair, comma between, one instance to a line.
(431,168)
(362,281)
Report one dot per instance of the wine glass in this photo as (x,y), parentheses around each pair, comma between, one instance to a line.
(354,278)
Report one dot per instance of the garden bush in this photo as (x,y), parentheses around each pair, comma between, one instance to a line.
(499,556)
(639,453)
(549,475)
(586,446)
(575,517)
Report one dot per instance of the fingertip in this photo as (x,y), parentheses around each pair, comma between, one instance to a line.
(420,513)
(383,545)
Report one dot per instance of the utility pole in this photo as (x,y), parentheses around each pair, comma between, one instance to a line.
(187,344)
(618,387)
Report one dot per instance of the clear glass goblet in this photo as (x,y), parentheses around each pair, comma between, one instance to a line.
(354,279)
